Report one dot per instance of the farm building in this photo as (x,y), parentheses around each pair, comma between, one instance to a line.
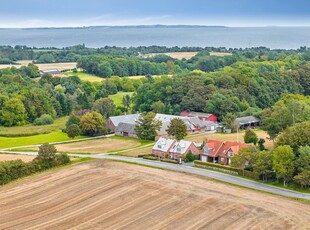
(201,116)
(220,152)
(248,122)
(174,149)
(126,130)
(113,122)
(193,124)
(53,72)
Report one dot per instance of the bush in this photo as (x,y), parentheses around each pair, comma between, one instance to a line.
(153,158)
(227,169)
(218,166)
(45,119)
(13,170)
(169,161)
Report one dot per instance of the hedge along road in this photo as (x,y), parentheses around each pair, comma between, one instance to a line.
(201,172)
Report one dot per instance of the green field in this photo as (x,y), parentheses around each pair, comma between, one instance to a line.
(85,76)
(31,130)
(118,98)
(56,136)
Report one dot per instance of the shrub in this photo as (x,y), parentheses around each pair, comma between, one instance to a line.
(190,157)
(12,170)
(153,158)
(45,119)
(73,131)
(227,169)
(169,161)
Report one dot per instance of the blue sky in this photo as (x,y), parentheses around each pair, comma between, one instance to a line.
(41,13)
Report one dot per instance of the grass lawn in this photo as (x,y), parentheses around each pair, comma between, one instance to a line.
(31,130)
(117,98)
(8,142)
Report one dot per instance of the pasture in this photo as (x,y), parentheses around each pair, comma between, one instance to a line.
(31,130)
(56,136)
(114,195)
(118,98)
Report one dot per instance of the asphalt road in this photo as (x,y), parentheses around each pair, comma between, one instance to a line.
(202,172)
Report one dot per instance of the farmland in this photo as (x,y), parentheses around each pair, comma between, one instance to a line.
(10,157)
(104,145)
(237,137)
(59,66)
(111,195)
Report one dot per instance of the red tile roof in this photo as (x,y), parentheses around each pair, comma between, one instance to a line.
(219,148)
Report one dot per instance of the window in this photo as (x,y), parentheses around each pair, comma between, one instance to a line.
(159,146)
(222,159)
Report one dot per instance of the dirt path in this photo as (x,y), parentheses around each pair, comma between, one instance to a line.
(110,195)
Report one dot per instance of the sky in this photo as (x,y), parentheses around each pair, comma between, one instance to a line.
(72,13)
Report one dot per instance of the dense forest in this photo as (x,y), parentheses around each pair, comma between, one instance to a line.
(246,82)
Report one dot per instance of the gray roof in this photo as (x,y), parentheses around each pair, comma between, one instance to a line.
(163,144)
(247,120)
(198,114)
(129,119)
(125,127)
(51,71)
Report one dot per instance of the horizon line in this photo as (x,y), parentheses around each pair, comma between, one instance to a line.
(153,25)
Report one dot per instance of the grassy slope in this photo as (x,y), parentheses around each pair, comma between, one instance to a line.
(117,98)
(7,142)
(30,130)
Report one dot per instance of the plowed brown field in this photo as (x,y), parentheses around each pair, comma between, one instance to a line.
(110,195)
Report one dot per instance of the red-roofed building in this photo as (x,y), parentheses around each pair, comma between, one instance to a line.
(220,152)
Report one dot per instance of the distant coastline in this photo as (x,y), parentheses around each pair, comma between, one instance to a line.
(124,27)
(273,37)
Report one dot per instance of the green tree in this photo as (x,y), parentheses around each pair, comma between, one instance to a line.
(73,120)
(158,107)
(92,124)
(229,122)
(105,106)
(47,153)
(295,136)
(261,143)
(126,101)
(245,158)
(190,157)
(303,178)
(147,126)
(177,128)
(13,113)
(250,137)
(73,131)
(303,161)
(263,164)
(283,163)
